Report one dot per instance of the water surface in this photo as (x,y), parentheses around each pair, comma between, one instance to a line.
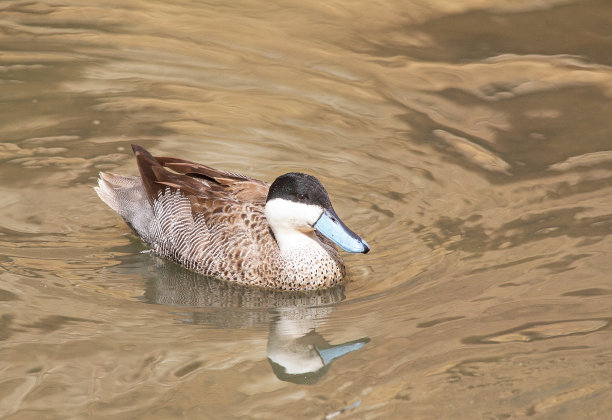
(470,143)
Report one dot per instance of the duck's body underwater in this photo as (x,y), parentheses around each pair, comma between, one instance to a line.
(231,226)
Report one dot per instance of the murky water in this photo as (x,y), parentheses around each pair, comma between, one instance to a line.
(470,143)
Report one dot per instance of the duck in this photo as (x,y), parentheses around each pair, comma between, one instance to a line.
(233,227)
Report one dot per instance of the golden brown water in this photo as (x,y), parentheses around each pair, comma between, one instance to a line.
(470,143)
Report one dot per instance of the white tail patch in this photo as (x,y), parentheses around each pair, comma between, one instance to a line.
(127,196)
(106,193)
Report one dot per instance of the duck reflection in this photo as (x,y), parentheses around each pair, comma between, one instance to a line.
(296,352)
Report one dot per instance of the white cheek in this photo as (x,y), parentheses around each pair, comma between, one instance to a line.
(289,214)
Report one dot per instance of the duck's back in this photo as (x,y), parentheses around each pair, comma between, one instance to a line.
(206,220)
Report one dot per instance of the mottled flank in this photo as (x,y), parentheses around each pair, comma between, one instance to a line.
(214,222)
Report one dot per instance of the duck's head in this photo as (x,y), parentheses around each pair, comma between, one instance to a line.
(298,203)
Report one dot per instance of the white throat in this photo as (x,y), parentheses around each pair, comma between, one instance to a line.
(292,224)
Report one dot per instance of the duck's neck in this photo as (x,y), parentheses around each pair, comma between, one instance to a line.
(290,241)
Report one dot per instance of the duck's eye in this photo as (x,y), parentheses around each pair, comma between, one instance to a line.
(301,197)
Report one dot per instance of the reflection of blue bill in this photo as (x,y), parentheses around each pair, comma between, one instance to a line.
(328,355)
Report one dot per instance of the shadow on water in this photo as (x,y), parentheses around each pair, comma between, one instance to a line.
(296,351)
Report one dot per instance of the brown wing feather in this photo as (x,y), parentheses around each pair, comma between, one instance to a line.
(187,167)
(196,179)
(146,164)
(241,187)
